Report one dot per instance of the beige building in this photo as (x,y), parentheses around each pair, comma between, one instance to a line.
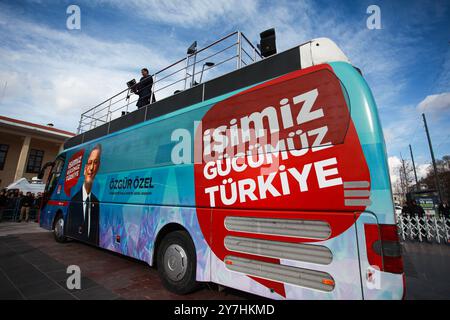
(25,147)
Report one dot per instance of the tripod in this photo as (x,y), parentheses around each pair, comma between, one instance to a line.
(128,102)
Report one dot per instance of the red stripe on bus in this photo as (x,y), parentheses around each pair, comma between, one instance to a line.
(58,203)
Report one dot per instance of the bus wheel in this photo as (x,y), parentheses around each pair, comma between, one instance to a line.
(58,231)
(177,262)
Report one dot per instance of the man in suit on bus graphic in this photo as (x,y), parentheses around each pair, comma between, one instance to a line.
(83,216)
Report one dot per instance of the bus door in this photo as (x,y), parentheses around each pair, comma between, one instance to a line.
(50,187)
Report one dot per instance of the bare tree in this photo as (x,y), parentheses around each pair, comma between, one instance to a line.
(443,168)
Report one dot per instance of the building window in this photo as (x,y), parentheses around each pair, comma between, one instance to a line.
(3,152)
(35,161)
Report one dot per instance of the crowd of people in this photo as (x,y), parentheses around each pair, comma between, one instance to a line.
(444,210)
(412,209)
(19,206)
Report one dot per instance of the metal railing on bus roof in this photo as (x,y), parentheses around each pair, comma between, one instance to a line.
(217,57)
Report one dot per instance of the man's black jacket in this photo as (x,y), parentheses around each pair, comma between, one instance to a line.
(77,225)
(144,90)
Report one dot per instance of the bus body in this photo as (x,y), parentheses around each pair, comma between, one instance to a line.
(282,188)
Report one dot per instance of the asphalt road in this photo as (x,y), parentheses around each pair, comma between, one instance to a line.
(33,266)
(427,269)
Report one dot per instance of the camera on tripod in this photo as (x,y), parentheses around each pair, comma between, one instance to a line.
(131,84)
(131,87)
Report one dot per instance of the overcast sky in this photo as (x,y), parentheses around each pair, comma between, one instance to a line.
(49,73)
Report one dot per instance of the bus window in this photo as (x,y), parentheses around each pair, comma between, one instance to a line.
(54,175)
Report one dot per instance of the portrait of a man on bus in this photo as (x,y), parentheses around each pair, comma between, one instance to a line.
(83,214)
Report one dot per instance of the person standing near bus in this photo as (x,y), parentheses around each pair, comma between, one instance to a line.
(25,204)
(3,203)
(446,211)
(84,209)
(417,210)
(405,210)
(144,89)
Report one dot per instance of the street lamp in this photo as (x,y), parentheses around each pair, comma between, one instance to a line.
(206,64)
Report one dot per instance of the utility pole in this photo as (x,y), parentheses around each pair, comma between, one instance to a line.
(436,178)
(414,167)
(405,178)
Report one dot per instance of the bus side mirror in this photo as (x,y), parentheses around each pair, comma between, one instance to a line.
(42,172)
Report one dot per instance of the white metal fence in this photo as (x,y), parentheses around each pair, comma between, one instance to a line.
(427,228)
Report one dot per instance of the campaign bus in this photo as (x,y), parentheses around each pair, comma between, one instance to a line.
(271,179)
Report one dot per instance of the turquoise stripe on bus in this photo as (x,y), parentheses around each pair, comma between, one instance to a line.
(368,126)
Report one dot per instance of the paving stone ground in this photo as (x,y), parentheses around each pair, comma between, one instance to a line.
(33,266)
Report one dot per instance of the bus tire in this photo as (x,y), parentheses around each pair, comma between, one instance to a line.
(177,263)
(58,230)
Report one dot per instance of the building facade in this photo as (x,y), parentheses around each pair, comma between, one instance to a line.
(25,147)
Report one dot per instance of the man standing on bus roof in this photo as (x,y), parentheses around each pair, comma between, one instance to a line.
(83,218)
(144,89)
